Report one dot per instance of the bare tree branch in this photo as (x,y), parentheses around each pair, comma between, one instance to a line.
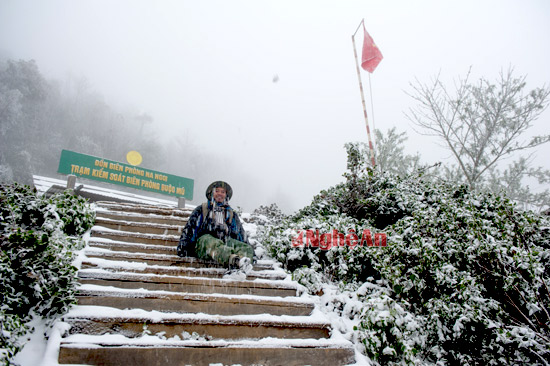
(480,123)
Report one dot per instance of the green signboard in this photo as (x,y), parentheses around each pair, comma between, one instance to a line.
(109,171)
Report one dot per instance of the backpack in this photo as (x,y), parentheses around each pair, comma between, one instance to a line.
(205,213)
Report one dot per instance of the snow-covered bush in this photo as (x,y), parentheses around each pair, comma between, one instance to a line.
(265,214)
(38,238)
(463,278)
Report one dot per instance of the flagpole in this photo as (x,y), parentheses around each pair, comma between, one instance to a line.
(372,113)
(363,95)
(359,26)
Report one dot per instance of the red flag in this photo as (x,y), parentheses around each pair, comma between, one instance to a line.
(371,54)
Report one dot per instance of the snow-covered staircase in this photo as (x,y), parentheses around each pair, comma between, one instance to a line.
(139,303)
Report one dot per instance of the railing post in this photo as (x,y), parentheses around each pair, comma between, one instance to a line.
(181,202)
(71,181)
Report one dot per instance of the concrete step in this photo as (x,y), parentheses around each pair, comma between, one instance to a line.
(144,209)
(139,303)
(199,353)
(216,304)
(187,284)
(134,237)
(86,320)
(138,217)
(151,254)
(159,259)
(146,258)
(139,227)
(120,246)
(210,272)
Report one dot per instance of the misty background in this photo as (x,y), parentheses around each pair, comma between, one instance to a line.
(261,94)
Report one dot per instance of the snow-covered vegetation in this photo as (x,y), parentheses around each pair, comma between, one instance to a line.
(463,278)
(39,239)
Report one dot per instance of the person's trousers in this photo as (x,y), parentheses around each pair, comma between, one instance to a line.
(210,247)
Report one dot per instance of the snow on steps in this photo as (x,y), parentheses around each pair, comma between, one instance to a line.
(191,284)
(216,327)
(114,350)
(149,256)
(138,302)
(140,227)
(191,302)
(136,266)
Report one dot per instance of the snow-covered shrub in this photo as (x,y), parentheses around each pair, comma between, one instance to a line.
(264,214)
(38,238)
(326,252)
(465,275)
(477,268)
(389,331)
(11,328)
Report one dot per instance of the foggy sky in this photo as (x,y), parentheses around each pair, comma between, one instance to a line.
(204,71)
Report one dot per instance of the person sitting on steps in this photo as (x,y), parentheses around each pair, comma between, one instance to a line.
(214,231)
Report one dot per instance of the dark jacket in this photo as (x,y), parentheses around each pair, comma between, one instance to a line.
(199,224)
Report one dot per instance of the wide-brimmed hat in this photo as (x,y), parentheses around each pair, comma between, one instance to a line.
(217,184)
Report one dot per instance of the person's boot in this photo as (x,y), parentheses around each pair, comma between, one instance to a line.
(234,261)
(245,264)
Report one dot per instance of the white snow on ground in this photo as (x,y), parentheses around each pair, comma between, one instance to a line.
(38,351)
(103,312)
(142,293)
(148,340)
(227,281)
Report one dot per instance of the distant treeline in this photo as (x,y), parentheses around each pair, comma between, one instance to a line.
(40,117)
